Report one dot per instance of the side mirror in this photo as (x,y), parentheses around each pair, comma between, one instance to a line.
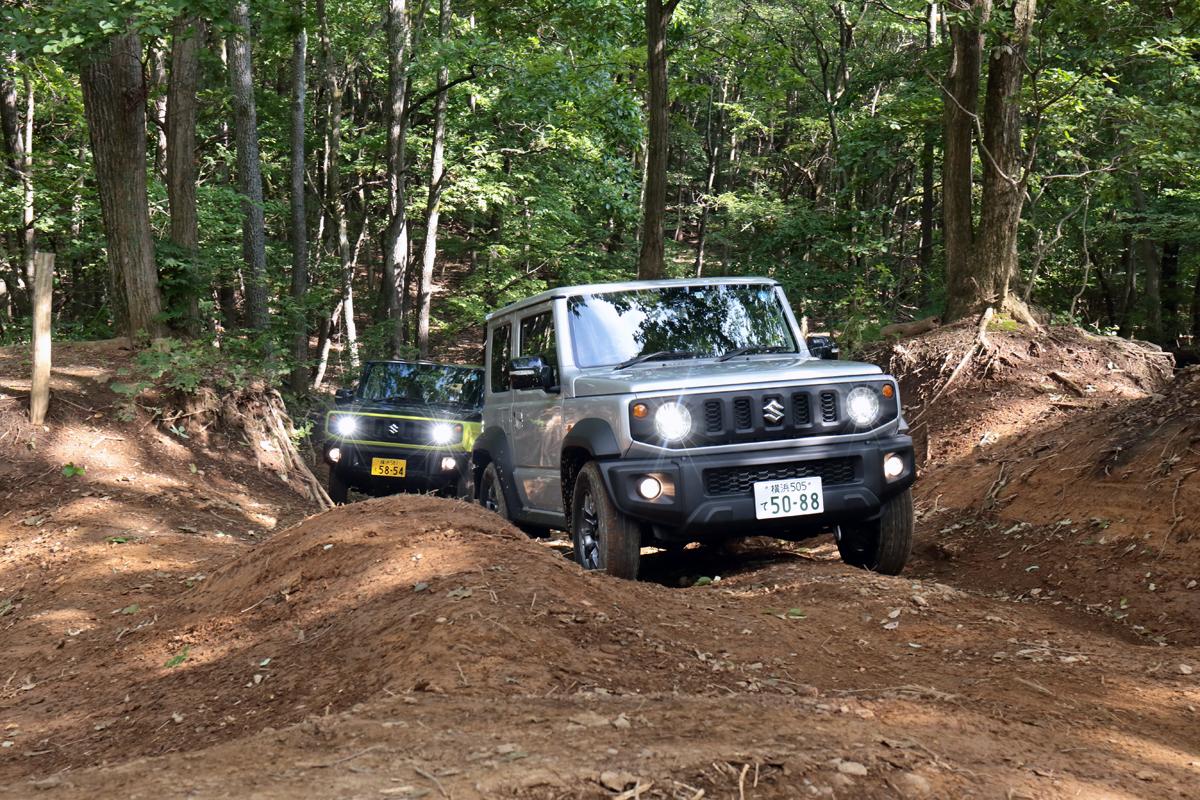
(823,346)
(343,396)
(531,372)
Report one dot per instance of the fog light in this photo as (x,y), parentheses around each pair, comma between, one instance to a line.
(449,464)
(335,454)
(649,487)
(893,466)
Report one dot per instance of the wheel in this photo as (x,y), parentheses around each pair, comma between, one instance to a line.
(339,490)
(491,494)
(883,545)
(604,538)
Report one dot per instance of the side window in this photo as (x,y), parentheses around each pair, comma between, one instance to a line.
(501,354)
(537,339)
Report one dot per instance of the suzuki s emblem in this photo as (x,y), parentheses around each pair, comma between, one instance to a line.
(773,411)
(393,429)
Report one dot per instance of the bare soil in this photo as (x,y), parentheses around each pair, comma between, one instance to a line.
(419,647)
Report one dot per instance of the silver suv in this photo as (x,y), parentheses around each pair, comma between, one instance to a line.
(657,413)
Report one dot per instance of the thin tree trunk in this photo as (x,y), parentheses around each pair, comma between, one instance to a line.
(324,345)
(114,100)
(651,260)
(928,200)
(1170,290)
(1146,261)
(437,174)
(399,31)
(180,153)
(249,166)
(335,84)
(299,376)
(159,111)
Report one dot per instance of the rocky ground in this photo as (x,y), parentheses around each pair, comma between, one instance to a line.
(177,623)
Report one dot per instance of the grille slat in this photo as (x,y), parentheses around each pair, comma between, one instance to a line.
(829,412)
(714,416)
(741,413)
(740,480)
(801,410)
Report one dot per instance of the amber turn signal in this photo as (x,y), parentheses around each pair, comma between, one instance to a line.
(640,410)
(888,391)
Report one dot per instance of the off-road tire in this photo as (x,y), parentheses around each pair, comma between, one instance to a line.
(339,490)
(491,493)
(604,538)
(883,545)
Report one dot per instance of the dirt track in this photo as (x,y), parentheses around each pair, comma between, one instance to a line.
(411,647)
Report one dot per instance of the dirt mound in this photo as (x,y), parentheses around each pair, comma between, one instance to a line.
(1102,510)
(964,390)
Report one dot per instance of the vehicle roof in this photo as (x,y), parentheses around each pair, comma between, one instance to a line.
(422,361)
(620,286)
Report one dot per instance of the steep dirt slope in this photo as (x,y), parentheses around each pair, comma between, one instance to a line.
(422,643)
(1102,511)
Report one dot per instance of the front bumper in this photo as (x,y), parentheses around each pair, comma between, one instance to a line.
(423,467)
(714,496)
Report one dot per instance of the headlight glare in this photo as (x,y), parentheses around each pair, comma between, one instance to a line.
(862,406)
(442,433)
(672,421)
(345,425)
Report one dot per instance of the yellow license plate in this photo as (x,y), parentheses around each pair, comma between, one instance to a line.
(389,467)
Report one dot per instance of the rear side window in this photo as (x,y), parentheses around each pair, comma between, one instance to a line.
(501,354)
(537,339)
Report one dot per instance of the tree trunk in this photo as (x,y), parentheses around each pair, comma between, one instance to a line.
(437,174)
(651,260)
(180,155)
(114,101)
(159,88)
(961,104)
(982,264)
(249,166)
(1146,261)
(299,376)
(928,200)
(1196,309)
(1170,293)
(399,31)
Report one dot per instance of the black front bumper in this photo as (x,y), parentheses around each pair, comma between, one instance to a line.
(714,496)
(423,468)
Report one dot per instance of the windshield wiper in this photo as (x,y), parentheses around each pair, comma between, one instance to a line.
(753,350)
(658,355)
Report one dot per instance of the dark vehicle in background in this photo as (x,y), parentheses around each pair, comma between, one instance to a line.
(407,426)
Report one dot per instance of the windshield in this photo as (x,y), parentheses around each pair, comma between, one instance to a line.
(691,321)
(423,384)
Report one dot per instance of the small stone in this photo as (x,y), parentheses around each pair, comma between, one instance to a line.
(616,781)
(851,768)
(1146,775)
(621,721)
(177,718)
(911,784)
(918,600)
(48,783)
(1185,669)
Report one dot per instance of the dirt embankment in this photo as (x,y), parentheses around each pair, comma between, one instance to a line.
(1063,471)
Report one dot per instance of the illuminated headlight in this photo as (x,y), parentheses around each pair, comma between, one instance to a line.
(442,433)
(345,426)
(672,421)
(862,406)
(449,464)
(650,487)
(335,454)
(893,466)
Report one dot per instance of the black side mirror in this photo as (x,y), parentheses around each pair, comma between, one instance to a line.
(531,372)
(343,396)
(823,346)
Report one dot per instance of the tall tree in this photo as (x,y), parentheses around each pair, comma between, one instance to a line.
(249,166)
(180,166)
(299,376)
(981,261)
(114,94)
(654,208)
(399,48)
(437,175)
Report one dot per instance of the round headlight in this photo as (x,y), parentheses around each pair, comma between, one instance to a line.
(672,421)
(442,433)
(345,426)
(862,406)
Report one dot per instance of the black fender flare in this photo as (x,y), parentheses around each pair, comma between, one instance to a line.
(493,445)
(592,436)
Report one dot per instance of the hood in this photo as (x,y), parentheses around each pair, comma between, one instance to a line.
(656,376)
(417,410)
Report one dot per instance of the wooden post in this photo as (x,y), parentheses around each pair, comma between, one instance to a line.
(43,292)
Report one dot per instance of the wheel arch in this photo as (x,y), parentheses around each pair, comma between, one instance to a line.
(588,440)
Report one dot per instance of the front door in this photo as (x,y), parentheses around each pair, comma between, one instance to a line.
(537,420)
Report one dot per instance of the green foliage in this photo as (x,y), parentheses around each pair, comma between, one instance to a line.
(70,470)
